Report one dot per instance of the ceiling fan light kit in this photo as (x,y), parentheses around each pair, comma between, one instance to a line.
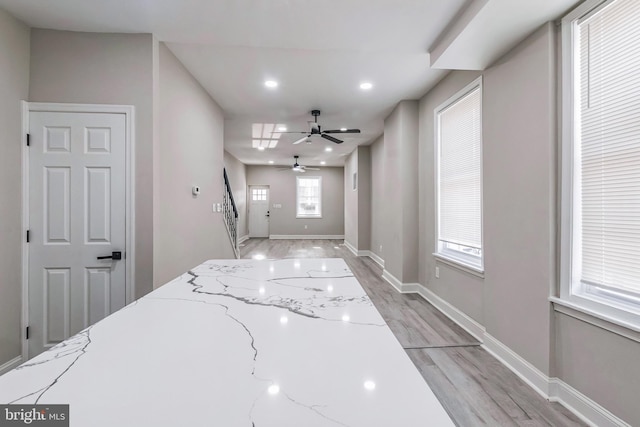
(316,130)
(298,168)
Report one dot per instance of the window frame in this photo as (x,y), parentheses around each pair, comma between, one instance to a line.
(469,263)
(572,295)
(308,216)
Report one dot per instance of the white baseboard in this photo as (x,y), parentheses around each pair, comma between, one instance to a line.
(13,363)
(352,248)
(368,253)
(404,288)
(552,389)
(243,238)
(583,407)
(375,258)
(465,322)
(306,237)
(528,373)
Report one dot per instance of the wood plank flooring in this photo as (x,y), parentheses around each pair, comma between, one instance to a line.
(474,388)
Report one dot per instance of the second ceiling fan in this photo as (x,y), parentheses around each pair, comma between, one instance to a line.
(315,129)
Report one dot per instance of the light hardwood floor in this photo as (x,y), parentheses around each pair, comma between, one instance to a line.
(474,388)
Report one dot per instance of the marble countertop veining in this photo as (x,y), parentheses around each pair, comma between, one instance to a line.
(293,342)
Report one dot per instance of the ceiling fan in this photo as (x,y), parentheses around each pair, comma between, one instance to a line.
(297,167)
(315,129)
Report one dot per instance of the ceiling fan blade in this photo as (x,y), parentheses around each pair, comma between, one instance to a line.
(342,131)
(311,169)
(304,138)
(332,139)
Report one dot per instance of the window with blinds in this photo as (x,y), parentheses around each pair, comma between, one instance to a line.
(459,177)
(309,197)
(605,245)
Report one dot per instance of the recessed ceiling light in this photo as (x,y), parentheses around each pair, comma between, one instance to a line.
(261,148)
(273,389)
(282,128)
(369,385)
(271,83)
(328,149)
(323,162)
(366,86)
(343,129)
(270,162)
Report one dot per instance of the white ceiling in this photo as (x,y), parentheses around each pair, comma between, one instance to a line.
(319,52)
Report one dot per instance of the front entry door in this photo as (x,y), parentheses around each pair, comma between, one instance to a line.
(77,197)
(258,211)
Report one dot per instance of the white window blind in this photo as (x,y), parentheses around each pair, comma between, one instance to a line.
(607,149)
(309,200)
(460,174)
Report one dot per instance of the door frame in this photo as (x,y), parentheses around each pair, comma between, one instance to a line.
(129,113)
(250,199)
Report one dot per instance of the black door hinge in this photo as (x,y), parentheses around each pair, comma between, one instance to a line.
(28,236)
(28,140)
(27,332)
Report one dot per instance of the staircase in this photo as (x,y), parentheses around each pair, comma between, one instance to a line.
(230,212)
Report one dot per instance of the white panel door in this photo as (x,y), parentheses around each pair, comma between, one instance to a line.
(76,214)
(258,211)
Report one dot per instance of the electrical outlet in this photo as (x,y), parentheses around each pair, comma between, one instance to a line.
(380,248)
(437,272)
(305,226)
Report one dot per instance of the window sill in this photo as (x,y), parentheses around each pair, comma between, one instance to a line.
(467,268)
(595,318)
(308,216)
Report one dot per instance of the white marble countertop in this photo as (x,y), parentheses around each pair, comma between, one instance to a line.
(236,343)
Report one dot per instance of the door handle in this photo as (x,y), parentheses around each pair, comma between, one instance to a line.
(114,255)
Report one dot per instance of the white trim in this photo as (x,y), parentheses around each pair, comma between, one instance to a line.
(570,296)
(528,373)
(584,408)
(460,318)
(11,364)
(467,268)
(366,253)
(307,216)
(476,83)
(352,248)
(25,227)
(403,288)
(306,236)
(130,135)
(553,389)
(374,257)
(243,239)
(596,318)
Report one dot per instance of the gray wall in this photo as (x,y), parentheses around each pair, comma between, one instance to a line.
(357,203)
(282,186)
(14,87)
(191,153)
(600,364)
(519,218)
(364,197)
(350,200)
(95,68)
(237,173)
(464,291)
(401,187)
(377,196)
(518,198)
